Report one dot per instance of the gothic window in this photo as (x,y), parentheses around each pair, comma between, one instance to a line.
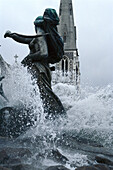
(60,11)
(76,70)
(64,37)
(63,65)
(66,65)
(70,8)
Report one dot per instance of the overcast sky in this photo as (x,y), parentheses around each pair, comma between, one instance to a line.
(94,21)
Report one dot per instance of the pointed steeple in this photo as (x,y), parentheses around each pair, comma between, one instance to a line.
(66,28)
(68,68)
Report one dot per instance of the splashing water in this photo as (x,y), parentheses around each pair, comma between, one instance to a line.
(22,91)
(89,114)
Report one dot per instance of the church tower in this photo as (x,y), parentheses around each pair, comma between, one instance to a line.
(66,27)
(69,65)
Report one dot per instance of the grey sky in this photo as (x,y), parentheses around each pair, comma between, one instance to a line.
(94,21)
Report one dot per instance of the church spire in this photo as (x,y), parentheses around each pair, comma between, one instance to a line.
(66,28)
(68,68)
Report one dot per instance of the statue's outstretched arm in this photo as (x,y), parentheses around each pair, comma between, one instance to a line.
(25,39)
(18,37)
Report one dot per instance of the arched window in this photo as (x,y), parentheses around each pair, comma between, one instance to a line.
(63,65)
(64,37)
(70,8)
(76,70)
(66,65)
(60,11)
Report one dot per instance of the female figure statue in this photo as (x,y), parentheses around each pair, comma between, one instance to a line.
(39,59)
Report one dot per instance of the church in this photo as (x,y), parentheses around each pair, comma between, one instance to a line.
(68,69)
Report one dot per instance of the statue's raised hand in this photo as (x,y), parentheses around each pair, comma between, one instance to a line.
(7,34)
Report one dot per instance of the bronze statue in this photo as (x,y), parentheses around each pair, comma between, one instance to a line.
(39,59)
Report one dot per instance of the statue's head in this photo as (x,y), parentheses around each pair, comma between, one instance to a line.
(39,22)
(50,15)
